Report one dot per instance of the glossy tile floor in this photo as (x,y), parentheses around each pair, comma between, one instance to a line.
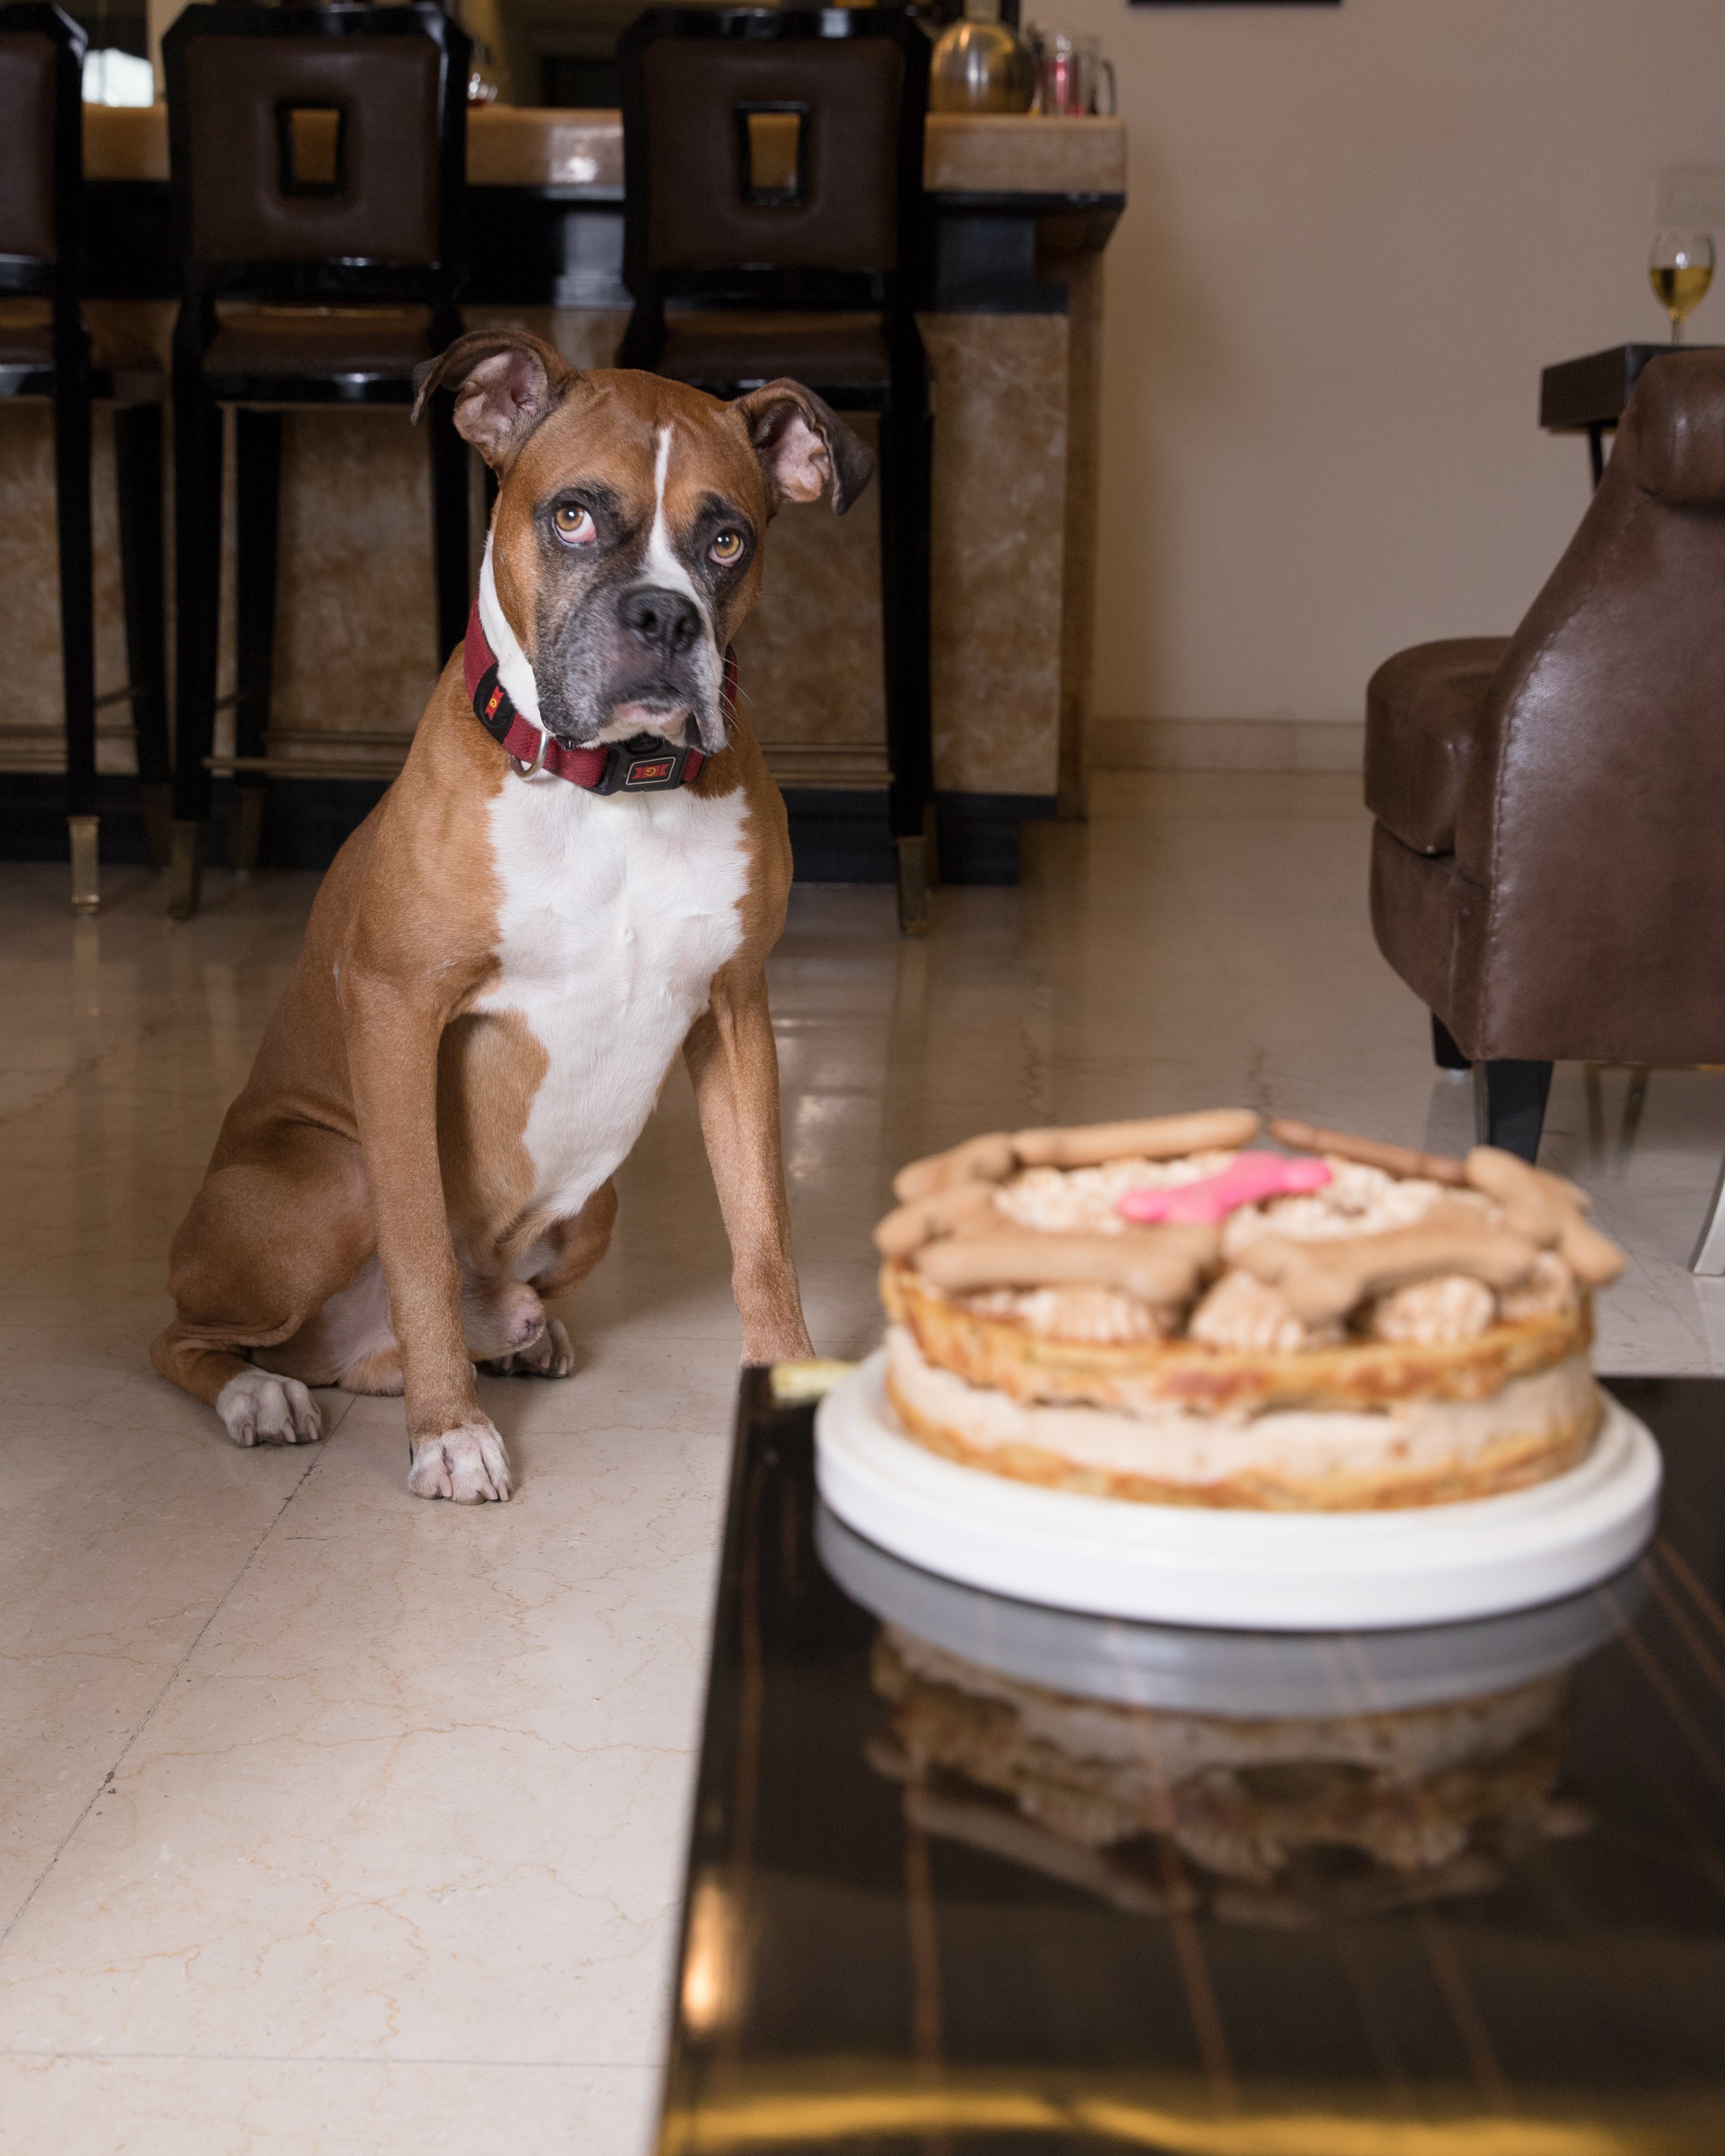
(336,1820)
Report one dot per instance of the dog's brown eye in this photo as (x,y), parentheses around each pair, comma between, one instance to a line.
(726,546)
(575,525)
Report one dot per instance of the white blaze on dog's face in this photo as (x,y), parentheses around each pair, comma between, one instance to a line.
(626,545)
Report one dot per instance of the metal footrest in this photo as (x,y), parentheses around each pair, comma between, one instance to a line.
(913,859)
(86,863)
(185,869)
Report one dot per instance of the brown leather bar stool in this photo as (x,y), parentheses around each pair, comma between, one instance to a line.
(319,159)
(773,162)
(42,259)
(1547,872)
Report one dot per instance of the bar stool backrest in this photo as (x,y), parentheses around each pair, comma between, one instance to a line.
(41,148)
(319,153)
(773,156)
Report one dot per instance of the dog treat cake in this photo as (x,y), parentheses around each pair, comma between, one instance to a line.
(1161,1311)
(1283,1822)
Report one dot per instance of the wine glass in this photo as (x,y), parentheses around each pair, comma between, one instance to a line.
(1680,268)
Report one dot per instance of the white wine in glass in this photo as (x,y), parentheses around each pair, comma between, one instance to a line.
(1680,269)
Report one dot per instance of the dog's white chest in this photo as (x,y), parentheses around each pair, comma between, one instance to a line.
(617,912)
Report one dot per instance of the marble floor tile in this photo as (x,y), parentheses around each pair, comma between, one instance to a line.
(128,1519)
(413,1795)
(336,1821)
(263,2107)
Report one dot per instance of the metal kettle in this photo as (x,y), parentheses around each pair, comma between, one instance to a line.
(980,66)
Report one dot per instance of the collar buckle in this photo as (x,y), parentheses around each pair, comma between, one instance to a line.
(645,763)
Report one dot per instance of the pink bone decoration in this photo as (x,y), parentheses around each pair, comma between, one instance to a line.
(1248,1179)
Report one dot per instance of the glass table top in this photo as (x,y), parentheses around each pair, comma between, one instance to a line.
(969,1877)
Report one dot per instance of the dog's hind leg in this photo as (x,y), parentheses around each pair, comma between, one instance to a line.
(557,1261)
(350,1341)
(269,1237)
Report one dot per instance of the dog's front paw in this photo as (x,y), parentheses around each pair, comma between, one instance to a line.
(467,1464)
(549,1356)
(259,1409)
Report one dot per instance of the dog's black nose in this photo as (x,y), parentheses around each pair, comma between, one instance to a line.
(666,621)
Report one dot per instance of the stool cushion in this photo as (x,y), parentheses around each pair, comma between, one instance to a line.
(27,355)
(1422,713)
(117,350)
(280,345)
(26,344)
(735,351)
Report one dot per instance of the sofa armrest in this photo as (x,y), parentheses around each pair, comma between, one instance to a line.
(1422,716)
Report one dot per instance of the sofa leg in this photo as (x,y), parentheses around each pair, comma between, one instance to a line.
(1509,1105)
(1710,1251)
(1444,1052)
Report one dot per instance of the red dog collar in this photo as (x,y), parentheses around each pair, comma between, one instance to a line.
(646,764)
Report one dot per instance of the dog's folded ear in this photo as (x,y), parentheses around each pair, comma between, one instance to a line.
(506,381)
(803,446)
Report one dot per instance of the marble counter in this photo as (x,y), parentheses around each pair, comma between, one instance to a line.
(1023,208)
(520,146)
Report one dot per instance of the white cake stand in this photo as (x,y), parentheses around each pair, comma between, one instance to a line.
(1239,1674)
(1284,1571)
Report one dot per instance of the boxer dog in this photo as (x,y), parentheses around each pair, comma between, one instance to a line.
(580,870)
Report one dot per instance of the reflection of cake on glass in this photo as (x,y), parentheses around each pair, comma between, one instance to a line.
(1268,1780)
(1273,1820)
(1155,1311)
(1283,1818)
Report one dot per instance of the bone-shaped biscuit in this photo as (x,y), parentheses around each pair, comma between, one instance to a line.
(1323,1280)
(1369,1152)
(988,1159)
(1160,1138)
(1159,1265)
(941,1212)
(1546,1209)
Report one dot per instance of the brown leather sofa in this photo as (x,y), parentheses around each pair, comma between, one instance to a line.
(1548,863)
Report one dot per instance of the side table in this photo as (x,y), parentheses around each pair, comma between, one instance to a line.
(1588,395)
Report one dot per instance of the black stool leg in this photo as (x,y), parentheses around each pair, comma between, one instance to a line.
(257,476)
(1509,1100)
(137,475)
(198,579)
(1444,1052)
(72,515)
(450,526)
(906,445)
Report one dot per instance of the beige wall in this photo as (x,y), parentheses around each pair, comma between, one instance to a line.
(1355,235)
